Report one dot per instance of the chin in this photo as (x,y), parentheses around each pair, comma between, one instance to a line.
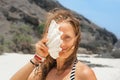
(61,53)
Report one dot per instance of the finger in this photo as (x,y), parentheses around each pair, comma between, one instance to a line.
(40,49)
(44,40)
(42,53)
(44,46)
(43,50)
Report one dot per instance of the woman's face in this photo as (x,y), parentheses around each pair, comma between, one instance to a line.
(68,38)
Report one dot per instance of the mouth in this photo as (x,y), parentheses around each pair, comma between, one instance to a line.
(63,50)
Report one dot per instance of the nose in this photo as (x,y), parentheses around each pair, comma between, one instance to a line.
(62,45)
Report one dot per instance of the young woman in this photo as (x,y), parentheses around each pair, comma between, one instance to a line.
(64,67)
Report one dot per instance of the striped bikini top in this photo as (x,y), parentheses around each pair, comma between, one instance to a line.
(72,75)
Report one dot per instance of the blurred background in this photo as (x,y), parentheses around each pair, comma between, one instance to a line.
(22,23)
(104,13)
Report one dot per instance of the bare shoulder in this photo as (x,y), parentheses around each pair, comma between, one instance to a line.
(83,72)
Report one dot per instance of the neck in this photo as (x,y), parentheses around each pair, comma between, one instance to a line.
(60,65)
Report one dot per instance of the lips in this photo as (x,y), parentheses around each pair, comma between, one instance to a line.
(63,50)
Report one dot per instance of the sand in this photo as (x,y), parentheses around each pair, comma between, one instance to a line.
(104,68)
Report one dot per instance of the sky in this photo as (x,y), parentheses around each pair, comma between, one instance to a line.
(104,13)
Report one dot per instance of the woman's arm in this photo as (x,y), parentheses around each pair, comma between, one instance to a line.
(24,72)
(27,71)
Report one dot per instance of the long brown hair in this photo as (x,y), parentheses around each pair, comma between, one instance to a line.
(60,15)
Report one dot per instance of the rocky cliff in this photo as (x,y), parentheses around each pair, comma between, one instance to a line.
(22,22)
(116,50)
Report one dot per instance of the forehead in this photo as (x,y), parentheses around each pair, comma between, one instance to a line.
(66,27)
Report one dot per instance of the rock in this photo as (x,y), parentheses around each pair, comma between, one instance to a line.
(116,50)
(33,12)
(47,4)
(117,45)
(116,53)
(84,51)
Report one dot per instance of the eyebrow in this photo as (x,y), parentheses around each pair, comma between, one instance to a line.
(64,35)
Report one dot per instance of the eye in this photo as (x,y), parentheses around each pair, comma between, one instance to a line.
(67,38)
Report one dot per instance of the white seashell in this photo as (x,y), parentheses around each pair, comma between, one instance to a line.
(54,39)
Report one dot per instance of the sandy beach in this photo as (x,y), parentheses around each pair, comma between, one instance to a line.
(104,68)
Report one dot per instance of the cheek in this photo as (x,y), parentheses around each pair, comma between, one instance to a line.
(69,44)
(72,43)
